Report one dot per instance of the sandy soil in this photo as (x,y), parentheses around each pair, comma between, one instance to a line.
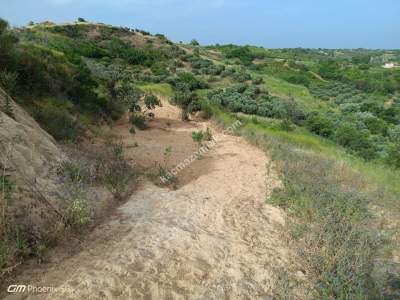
(212,238)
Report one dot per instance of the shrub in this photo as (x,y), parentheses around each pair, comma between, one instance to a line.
(151,101)
(139,121)
(165,176)
(258,80)
(286,125)
(208,135)
(244,54)
(299,78)
(348,135)
(394,134)
(76,215)
(338,245)
(198,137)
(8,81)
(8,42)
(320,124)
(194,42)
(393,156)
(8,108)
(206,108)
(57,121)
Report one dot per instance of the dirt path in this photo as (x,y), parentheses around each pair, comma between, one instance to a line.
(213,238)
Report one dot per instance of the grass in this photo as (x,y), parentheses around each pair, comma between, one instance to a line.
(375,174)
(328,196)
(163,89)
(285,89)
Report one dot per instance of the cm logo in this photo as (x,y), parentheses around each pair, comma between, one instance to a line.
(14,288)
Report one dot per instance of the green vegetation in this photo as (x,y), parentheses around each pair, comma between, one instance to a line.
(84,80)
(329,118)
(166,177)
(328,195)
(198,137)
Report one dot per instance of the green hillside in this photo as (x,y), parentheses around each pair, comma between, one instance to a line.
(329,118)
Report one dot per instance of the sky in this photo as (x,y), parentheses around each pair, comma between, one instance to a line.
(268,23)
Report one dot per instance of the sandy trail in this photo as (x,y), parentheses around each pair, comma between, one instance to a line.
(213,238)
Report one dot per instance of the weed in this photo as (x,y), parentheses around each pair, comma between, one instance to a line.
(208,135)
(198,137)
(339,247)
(8,109)
(166,177)
(76,215)
(70,171)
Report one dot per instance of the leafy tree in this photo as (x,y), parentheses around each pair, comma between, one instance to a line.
(128,94)
(194,42)
(8,42)
(373,123)
(320,124)
(330,70)
(244,54)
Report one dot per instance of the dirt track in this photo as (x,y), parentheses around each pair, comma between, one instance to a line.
(212,238)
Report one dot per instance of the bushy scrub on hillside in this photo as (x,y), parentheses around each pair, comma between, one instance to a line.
(331,225)
(185,85)
(206,67)
(339,247)
(243,54)
(383,81)
(86,71)
(56,119)
(250,99)
(363,121)
(290,71)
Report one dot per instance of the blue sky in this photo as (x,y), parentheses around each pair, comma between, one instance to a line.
(274,24)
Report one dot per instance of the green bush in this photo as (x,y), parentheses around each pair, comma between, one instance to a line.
(8,43)
(139,121)
(393,157)
(194,42)
(320,124)
(57,121)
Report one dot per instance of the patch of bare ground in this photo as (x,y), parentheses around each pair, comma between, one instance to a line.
(212,238)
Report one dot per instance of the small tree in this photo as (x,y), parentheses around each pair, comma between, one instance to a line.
(82,20)
(151,101)
(194,42)
(167,177)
